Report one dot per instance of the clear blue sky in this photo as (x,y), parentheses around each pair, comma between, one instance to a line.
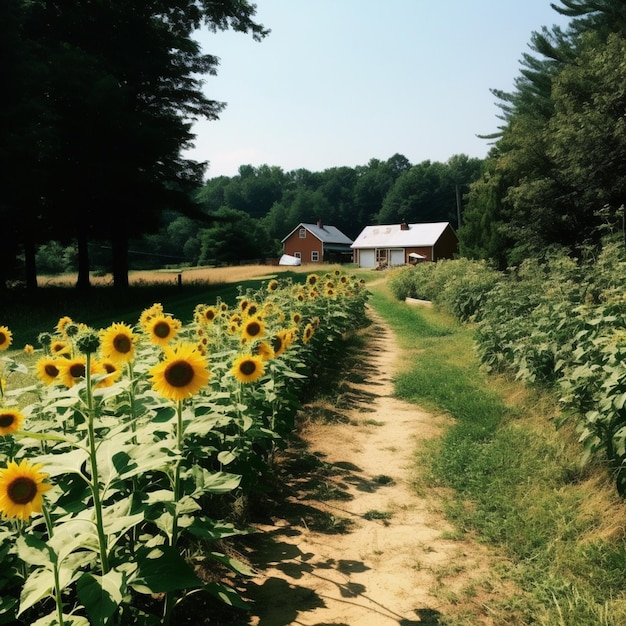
(338,82)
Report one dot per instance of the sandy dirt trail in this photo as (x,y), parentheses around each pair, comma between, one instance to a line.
(400,561)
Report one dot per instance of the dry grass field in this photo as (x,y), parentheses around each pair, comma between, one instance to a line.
(192,275)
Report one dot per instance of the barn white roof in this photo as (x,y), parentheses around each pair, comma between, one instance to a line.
(393,236)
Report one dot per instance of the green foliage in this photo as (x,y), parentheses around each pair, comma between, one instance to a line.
(555,173)
(557,323)
(460,287)
(142,483)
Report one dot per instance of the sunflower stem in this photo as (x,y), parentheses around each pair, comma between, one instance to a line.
(169,596)
(55,568)
(95,482)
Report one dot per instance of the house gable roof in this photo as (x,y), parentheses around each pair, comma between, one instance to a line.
(393,236)
(326,234)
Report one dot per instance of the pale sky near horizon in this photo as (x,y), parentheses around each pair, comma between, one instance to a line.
(339,82)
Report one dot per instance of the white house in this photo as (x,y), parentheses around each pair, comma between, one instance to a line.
(397,244)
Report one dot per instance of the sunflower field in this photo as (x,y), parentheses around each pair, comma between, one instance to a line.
(122,448)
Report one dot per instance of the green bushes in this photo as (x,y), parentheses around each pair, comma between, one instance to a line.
(555,322)
(460,287)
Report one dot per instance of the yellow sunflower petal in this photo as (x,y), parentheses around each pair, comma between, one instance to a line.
(182,373)
(118,343)
(10,421)
(247,368)
(6,337)
(22,489)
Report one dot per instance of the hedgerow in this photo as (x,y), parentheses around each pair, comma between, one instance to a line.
(555,322)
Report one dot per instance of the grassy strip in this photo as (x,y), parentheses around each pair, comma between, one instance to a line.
(517,481)
(28,313)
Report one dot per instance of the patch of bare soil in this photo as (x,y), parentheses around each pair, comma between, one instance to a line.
(353,543)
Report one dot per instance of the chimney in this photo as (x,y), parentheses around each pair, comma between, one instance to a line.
(404,226)
(320,224)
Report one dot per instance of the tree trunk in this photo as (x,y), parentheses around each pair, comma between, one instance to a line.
(83,262)
(30,264)
(119,247)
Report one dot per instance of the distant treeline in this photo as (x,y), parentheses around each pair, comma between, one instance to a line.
(245,217)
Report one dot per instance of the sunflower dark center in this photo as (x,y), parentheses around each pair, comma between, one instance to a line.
(122,344)
(253,329)
(51,370)
(179,374)
(252,309)
(22,490)
(247,368)
(210,315)
(3,338)
(77,370)
(162,329)
(109,368)
(6,420)
(277,343)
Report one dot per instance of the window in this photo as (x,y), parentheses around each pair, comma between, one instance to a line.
(302,233)
(298,255)
(315,256)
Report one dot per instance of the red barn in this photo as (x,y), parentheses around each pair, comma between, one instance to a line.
(316,243)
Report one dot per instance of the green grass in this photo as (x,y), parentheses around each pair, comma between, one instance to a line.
(516,482)
(28,313)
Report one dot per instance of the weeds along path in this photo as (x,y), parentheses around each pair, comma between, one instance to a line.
(350,542)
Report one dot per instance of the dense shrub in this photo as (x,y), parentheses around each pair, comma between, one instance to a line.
(556,321)
(460,287)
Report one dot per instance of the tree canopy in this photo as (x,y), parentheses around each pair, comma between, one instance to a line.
(555,174)
(95,153)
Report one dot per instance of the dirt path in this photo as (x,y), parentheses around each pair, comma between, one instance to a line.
(353,544)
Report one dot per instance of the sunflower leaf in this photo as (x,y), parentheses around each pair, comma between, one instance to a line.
(34,551)
(71,461)
(161,570)
(101,595)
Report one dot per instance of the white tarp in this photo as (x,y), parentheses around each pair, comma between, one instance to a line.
(415,255)
(287,259)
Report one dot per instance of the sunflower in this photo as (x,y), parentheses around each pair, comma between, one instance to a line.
(253,328)
(247,368)
(22,489)
(72,371)
(10,421)
(312,279)
(28,349)
(182,373)
(243,304)
(60,348)
(162,329)
(118,343)
(62,324)
(296,317)
(48,370)
(280,341)
(308,332)
(272,285)
(112,369)
(6,336)
(265,351)
(252,310)
(209,314)
(148,314)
